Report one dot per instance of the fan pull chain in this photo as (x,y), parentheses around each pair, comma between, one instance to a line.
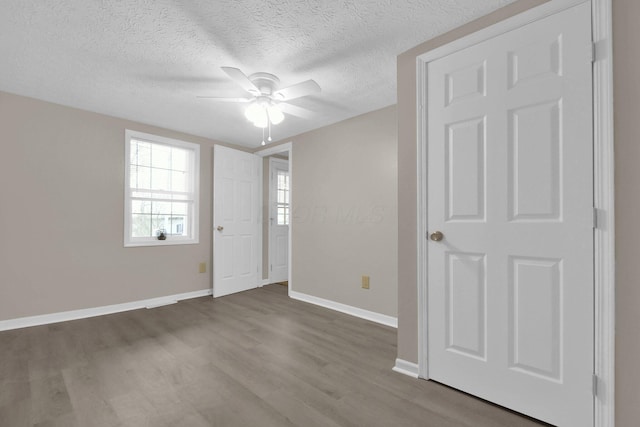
(269,139)
(263,143)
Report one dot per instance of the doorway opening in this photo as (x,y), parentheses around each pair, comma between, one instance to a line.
(277,205)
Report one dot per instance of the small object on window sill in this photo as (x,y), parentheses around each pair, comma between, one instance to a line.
(161,235)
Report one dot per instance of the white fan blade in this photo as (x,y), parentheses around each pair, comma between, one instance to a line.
(222,99)
(294,110)
(241,78)
(298,90)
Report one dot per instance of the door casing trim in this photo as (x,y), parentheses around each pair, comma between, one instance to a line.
(286,147)
(603,169)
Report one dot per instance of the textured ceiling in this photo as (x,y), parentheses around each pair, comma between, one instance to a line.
(147,60)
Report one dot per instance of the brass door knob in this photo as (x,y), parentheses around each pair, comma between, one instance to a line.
(220,228)
(436,236)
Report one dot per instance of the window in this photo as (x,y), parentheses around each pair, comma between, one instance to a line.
(282,197)
(161,190)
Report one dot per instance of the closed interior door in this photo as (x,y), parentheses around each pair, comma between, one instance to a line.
(236,220)
(510,189)
(279,217)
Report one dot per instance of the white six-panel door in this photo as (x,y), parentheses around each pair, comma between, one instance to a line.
(510,187)
(236,220)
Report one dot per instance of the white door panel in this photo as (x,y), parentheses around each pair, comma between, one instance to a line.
(236,218)
(279,216)
(510,184)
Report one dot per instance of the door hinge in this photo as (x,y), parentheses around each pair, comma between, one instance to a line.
(595,384)
(595,217)
(271,267)
(599,50)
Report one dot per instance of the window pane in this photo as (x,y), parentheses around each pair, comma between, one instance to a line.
(141,206)
(282,216)
(144,177)
(161,156)
(133,176)
(140,153)
(140,177)
(179,159)
(283,187)
(282,196)
(160,223)
(186,227)
(162,208)
(140,225)
(283,180)
(179,181)
(178,225)
(179,208)
(160,179)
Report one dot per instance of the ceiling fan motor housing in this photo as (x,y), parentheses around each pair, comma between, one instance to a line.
(266,82)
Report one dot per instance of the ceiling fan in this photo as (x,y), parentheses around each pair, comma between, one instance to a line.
(267,101)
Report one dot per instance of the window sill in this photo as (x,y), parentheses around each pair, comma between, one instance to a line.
(156,242)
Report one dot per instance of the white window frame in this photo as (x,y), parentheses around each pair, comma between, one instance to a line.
(194,238)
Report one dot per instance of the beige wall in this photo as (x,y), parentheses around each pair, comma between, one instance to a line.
(61,210)
(626,66)
(62,190)
(345,212)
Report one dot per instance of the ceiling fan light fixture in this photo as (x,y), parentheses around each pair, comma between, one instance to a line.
(269,100)
(275,114)
(254,112)
(261,121)
(262,113)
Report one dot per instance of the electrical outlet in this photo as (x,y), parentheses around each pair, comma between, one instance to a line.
(365,282)
(202,268)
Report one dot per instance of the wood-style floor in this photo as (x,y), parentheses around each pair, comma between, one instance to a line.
(256,358)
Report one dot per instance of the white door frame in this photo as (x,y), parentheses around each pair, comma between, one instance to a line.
(272,197)
(268,151)
(603,169)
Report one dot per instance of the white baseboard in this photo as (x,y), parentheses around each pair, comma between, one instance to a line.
(24,322)
(407,368)
(348,309)
(265,282)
